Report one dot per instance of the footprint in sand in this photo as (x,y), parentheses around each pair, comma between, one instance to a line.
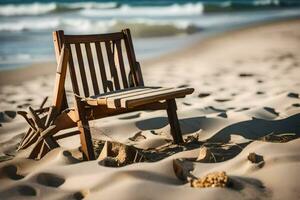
(242,109)
(25,105)
(80,195)
(153,132)
(11,172)
(260,92)
(186,104)
(271,110)
(19,191)
(223,114)
(230,108)
(243,75)
(203,94)
(12,102)
(296,104)
(7,116)
(138,137)
(137,115)
(211,109)
(286,56)
(26,190)
(247,184)
(50,180)
(222,100)
(293,95)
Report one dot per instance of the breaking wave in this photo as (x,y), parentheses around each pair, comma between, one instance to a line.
(140,27)
(45,8)
(109,8)
(115,8)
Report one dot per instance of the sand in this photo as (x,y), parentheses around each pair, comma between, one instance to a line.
(246,100)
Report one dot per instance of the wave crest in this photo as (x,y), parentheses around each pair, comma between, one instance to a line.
(139,27)
(187,9)
(45,8)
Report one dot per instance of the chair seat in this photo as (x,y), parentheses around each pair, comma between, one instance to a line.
(137,96)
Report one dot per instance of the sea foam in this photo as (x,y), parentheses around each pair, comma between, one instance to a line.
(44,8)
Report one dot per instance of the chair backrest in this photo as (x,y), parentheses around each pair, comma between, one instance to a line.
(97,63)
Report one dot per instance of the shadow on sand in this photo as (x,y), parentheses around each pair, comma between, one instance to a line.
(282,130)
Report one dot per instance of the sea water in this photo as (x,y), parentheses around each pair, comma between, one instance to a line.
(158,27)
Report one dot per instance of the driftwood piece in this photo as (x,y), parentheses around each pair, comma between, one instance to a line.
(28,120)
(43,102)
(205,154)
(36,150)
(51,116)
(44,149)
(25,138)
(31,139)
(120,154)
(256,159)
(183,169)
(37,120)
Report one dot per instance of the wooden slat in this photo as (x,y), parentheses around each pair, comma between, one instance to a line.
(154,96)
(43,151)
(37,120)
(31,139)
(26,137)
(50,116)
(58,40)
(102,99)
(92,68)
(72,71)
(82,70)
(115,102)
(112,65)
(57,37)
(121,64)
(130,54)
(28,120)
(101,66)
(60,79)
(93,38)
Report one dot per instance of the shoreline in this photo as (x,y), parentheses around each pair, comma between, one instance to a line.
(219,36)
(23,74)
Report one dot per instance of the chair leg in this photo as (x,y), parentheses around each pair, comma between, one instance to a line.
(173,120)
(85,134)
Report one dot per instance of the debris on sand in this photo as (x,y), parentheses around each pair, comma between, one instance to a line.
(183,169)
(255,158)
(214,179)
(115,154)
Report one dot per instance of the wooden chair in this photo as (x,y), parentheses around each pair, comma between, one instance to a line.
(106,81)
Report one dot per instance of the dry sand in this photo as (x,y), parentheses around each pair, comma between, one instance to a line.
(246,100)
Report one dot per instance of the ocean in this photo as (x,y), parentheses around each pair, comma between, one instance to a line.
(158,26)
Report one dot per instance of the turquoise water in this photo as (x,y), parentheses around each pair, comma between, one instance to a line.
(158,26)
